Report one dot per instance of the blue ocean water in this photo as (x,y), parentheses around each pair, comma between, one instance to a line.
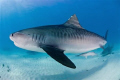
(94,15)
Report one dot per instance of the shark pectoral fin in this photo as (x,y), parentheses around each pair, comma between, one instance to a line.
(59,56)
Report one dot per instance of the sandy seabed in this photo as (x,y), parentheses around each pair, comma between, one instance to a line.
(18,65)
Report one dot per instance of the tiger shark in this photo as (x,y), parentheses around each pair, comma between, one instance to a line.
(56,40)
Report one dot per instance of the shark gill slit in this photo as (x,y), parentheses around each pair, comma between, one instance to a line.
(36,37)
(33,37)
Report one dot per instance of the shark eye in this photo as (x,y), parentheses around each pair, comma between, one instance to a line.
(11,34)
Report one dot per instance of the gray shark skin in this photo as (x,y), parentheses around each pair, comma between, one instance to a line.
(56,40)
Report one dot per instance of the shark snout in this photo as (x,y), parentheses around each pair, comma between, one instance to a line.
(20,38)
(13,36)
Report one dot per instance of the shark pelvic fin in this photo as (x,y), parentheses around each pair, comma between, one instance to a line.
(73,22)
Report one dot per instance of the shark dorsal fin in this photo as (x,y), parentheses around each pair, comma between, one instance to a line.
(73,22)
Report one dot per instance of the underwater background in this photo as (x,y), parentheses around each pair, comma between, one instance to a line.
(94,15)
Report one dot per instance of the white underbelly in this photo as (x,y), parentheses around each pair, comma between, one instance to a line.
(76,50)
(70,46)
(78,46)
(73,45)
(29,47)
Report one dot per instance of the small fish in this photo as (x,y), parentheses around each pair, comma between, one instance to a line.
(87,54)
(56,40)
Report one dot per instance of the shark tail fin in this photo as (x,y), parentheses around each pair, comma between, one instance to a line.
(106,35)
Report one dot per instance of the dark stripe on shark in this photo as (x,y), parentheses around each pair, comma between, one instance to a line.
(76,33)
(67,35)
(38,38)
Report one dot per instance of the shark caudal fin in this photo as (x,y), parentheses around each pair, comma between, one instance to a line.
(106,35)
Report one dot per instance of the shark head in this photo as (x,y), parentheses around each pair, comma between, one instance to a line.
(27,39)
(21,39)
